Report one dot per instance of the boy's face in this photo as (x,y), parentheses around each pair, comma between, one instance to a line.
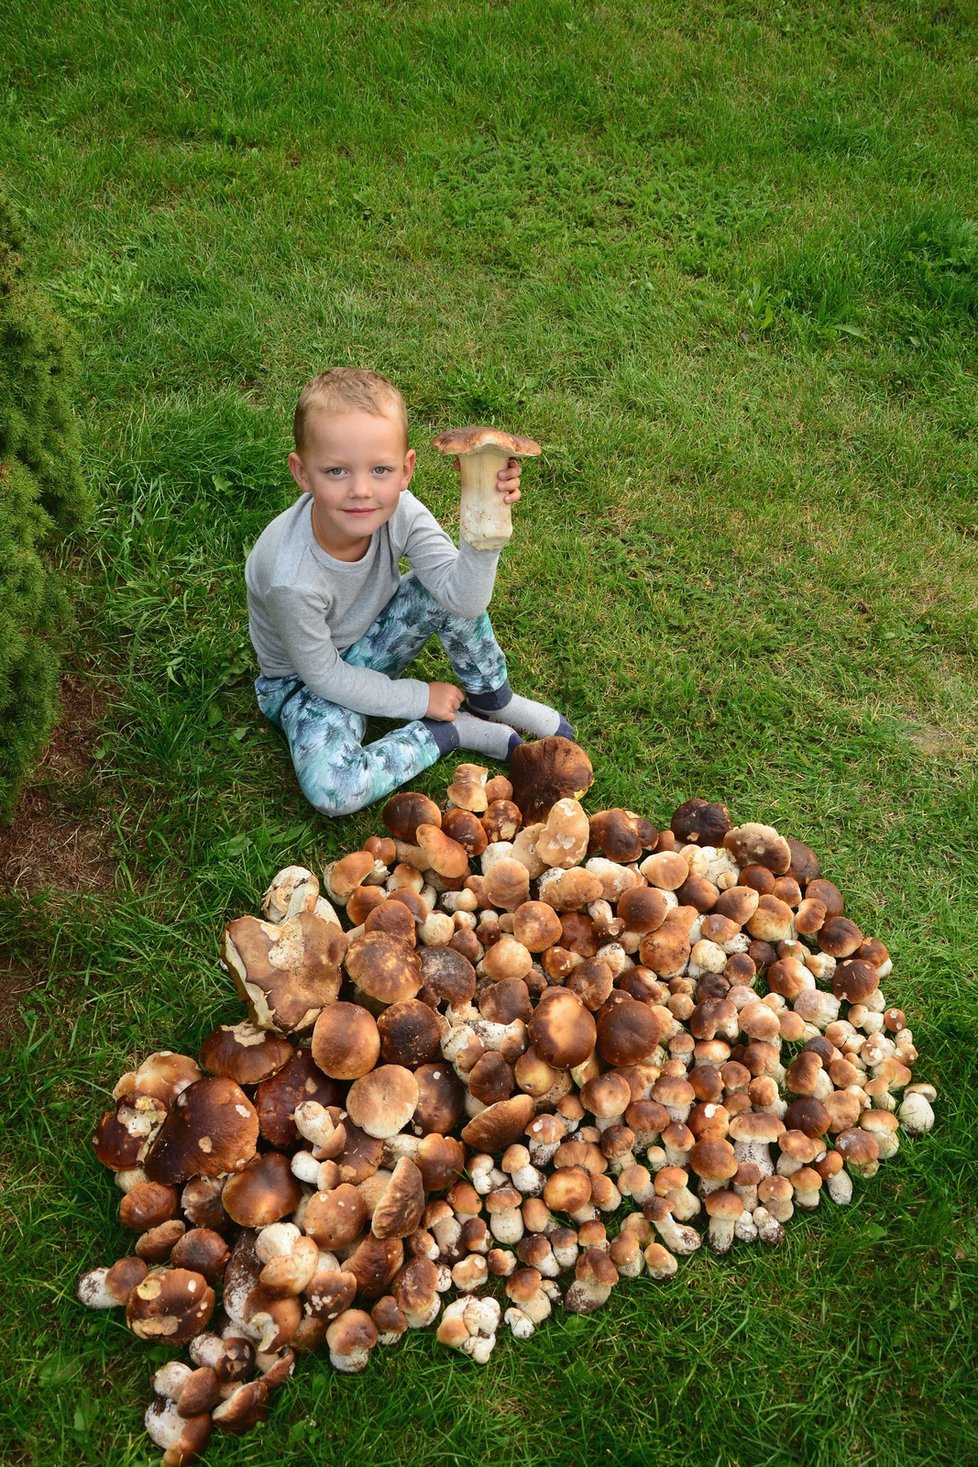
(355,465)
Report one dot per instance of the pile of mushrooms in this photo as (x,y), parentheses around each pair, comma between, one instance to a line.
(547,1051)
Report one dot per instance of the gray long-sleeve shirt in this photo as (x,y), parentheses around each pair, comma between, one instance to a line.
(305,608)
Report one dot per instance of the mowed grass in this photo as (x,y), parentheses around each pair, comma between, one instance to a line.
(722,261)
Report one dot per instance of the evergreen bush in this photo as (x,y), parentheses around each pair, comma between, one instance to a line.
(44,499)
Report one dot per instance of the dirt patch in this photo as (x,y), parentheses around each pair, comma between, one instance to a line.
(49,844)
(16,982)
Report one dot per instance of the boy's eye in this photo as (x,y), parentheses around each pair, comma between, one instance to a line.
(334,472)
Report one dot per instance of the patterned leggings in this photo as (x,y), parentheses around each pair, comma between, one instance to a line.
(336,773)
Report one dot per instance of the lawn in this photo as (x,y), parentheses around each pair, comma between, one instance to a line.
(721,260)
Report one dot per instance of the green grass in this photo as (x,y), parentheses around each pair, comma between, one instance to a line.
(722,261)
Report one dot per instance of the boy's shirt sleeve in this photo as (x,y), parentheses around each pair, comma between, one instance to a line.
(460,579)
(300,622)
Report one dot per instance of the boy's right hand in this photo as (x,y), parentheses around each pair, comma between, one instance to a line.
(444,701)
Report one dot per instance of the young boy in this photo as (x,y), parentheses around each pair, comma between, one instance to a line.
(334,623)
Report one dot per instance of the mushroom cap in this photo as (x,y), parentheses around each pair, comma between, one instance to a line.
(441,1099)
(405,811)
(383,967)
(854,979)
(211,1128)
(629,1031)
(287,973)
(621,835)
(410,1033)
(543,771)
(345,875)
(758,845)
(262,1192)
(471,439)
(162,1075)
(399,1211)
(374,1263)
(563,841)
(642,908)
(467,790)
(465,827)
(804,862)
(382,1102)
(700,822)
(499,1125)
(203,1251)
(447,975)
(335,1218)
(171,1305)
(444,855)
(345,1041)
(299,1079)
(562,1030)
(244,1053)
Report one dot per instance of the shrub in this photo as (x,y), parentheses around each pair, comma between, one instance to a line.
(44,500)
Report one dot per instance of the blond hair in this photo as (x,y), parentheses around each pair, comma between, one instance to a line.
(342,389)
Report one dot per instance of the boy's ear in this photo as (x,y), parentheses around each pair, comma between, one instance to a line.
(298,471)
(410,459)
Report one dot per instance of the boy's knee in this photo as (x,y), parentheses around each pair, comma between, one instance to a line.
(332,795)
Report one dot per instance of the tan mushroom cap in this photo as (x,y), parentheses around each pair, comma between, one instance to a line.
(286,974)
(467,790)
(374,1263)
(335,1218)
(562,1030)
(345,1041)
(443,854)
(383,967)
(475,437)
(211,1128)
(499,1125)
(665,869)
(345,875)
(162,1075)
(642,908)
(400,1209)
(759,845)
(383,1102)
(507,884)
(621,835)
(170,1305)
(563,841)
(262,1193)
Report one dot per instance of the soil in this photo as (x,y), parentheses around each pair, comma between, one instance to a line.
(50,845)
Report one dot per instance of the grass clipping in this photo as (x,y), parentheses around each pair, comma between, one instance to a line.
(544,1054)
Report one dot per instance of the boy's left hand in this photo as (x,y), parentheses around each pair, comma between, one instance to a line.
(507,480)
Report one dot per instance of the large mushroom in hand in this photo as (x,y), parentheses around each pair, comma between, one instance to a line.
(485,522)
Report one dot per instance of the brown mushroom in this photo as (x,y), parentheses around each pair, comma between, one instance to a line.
(485,521)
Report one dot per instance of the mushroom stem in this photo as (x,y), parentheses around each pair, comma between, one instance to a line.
(485,521)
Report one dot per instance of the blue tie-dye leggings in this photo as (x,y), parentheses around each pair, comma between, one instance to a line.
(336,773)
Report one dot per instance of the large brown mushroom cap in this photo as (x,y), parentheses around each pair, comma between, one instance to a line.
(621,835)
(299,1079)
(562,1030)
(211,1128)
(171,1305)
(345,1041)
(383,1102)
(499,1125)
(471,439)
(262,1193)
(401,1205)
(244,1053)
(383,967)
(700,822)
(286,974)
(405,811)
(759,845)
(546,770)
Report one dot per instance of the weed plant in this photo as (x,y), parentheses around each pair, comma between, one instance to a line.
(721,259)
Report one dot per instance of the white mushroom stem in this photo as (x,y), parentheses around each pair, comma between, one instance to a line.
(769,1230)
